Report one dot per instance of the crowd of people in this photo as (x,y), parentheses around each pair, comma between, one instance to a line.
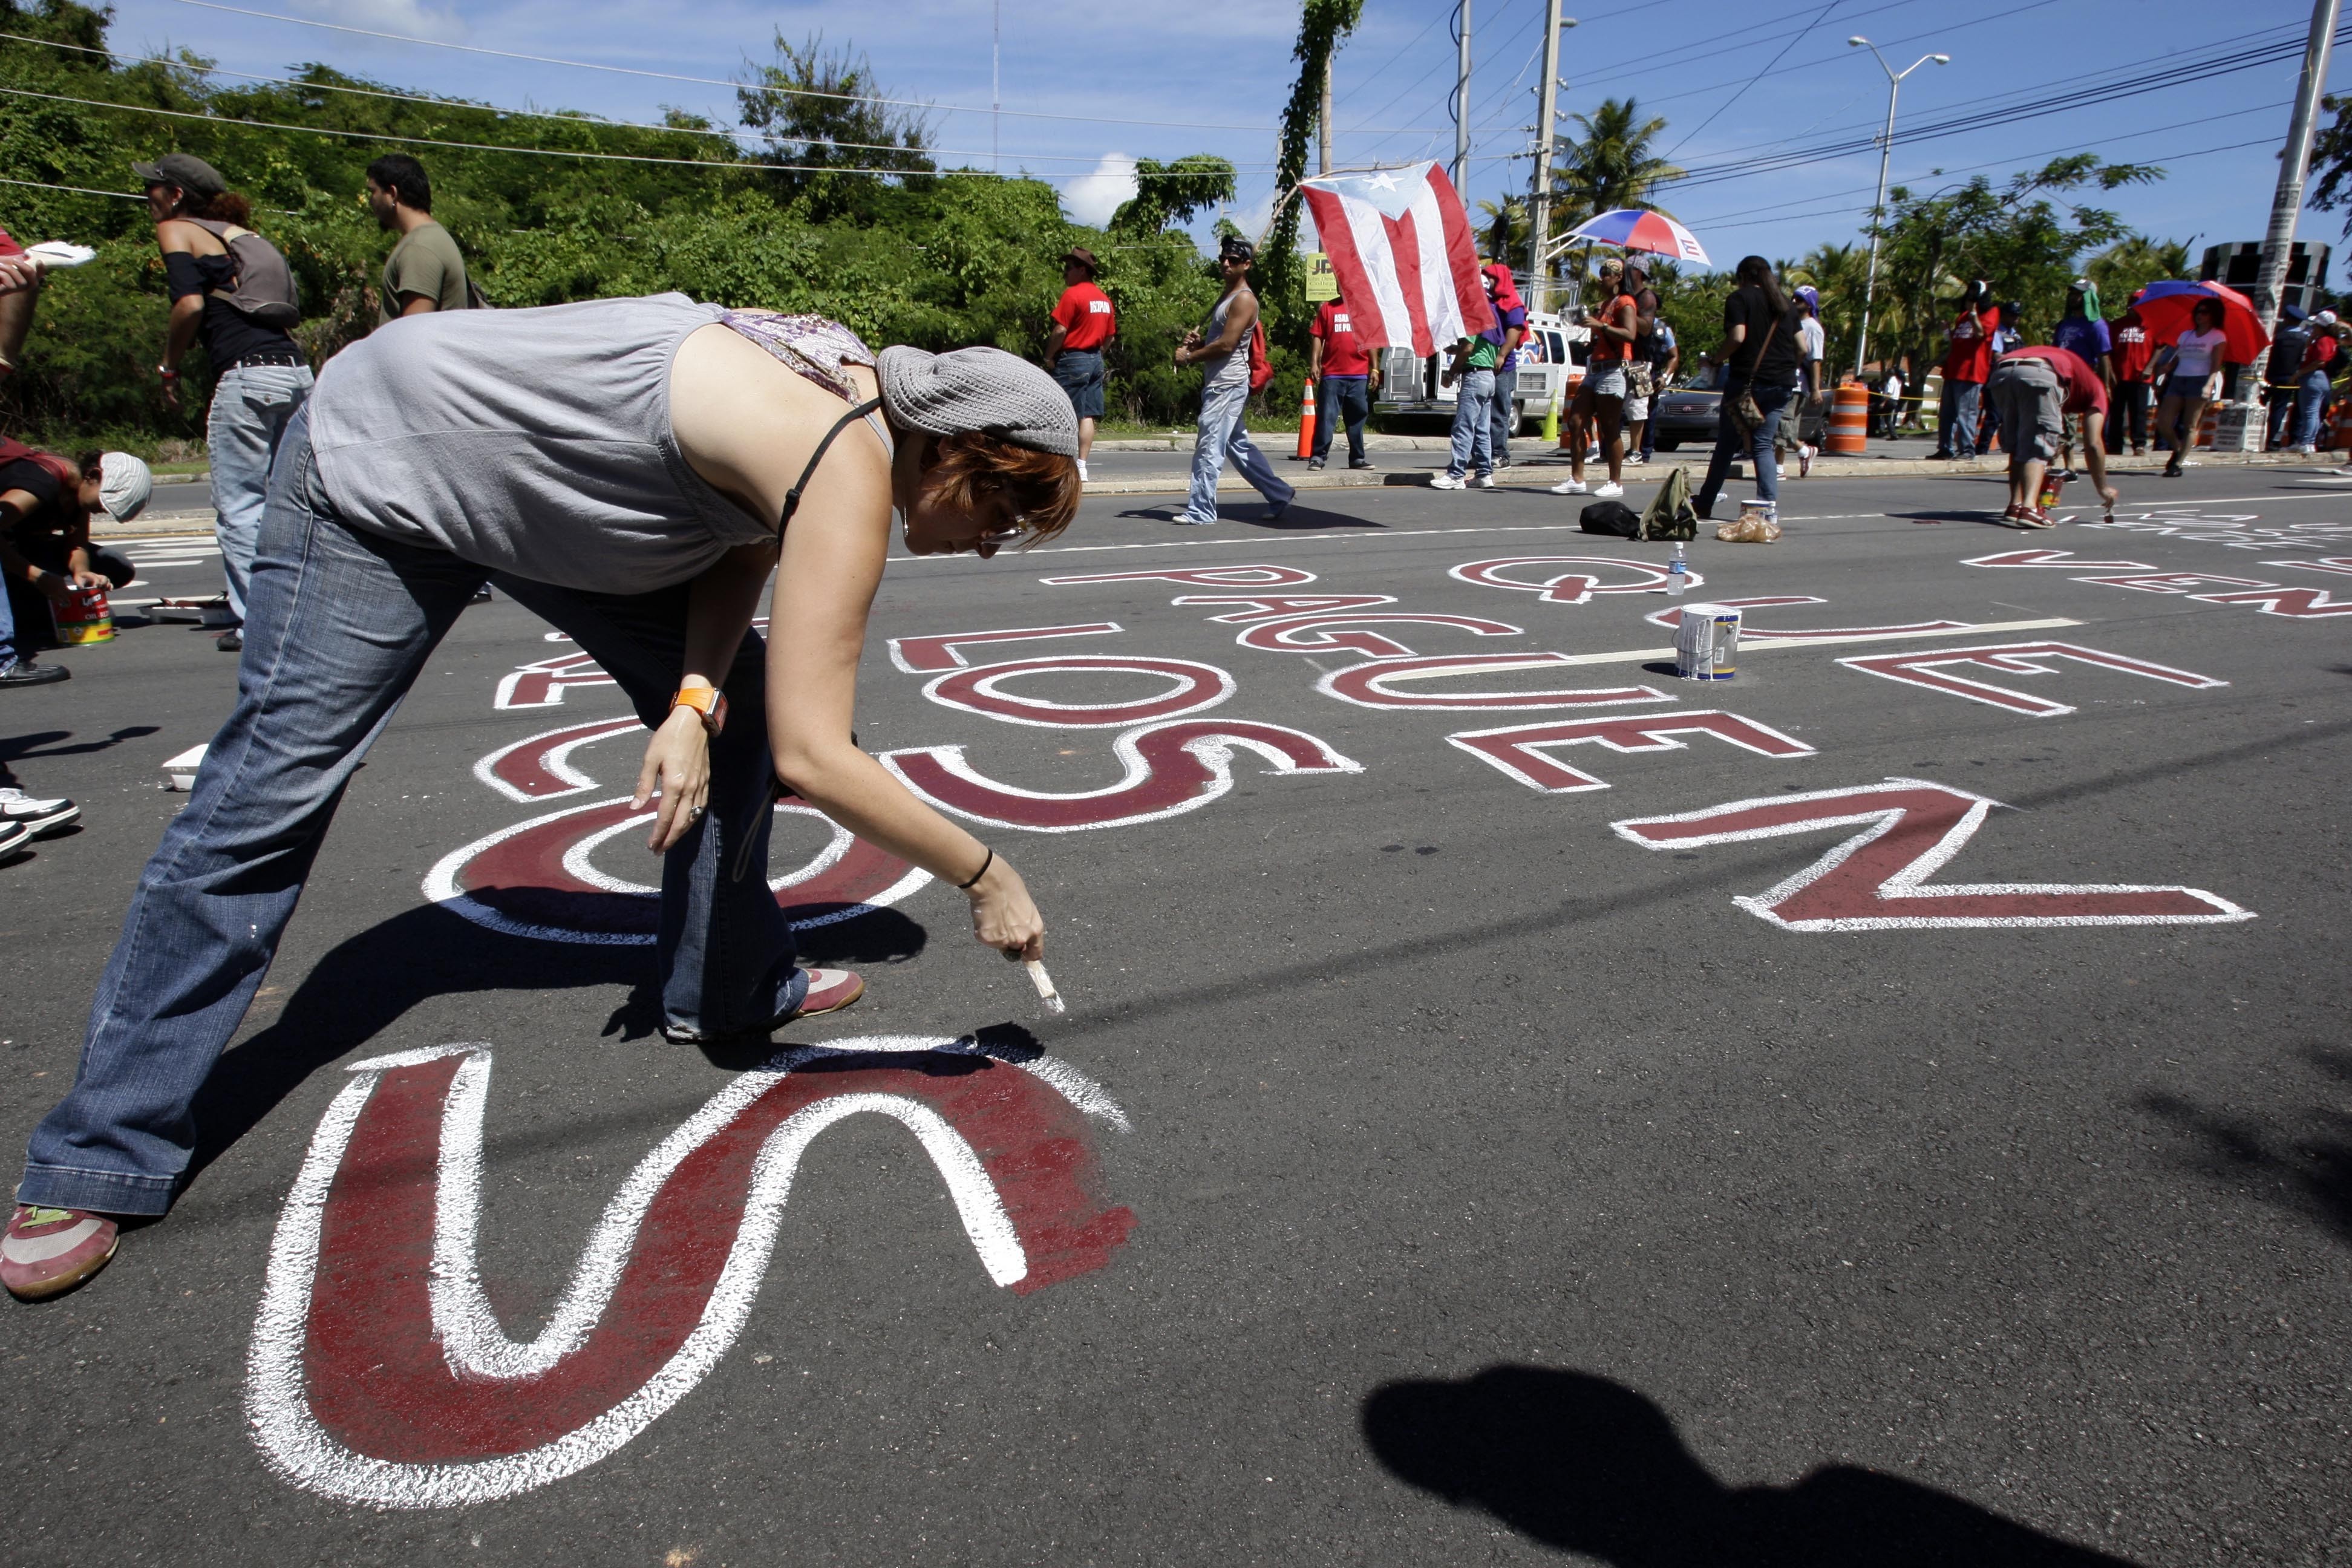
(635,471)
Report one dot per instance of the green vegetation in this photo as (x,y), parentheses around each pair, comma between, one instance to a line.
(938,258)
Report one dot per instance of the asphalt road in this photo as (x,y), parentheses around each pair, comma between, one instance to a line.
(1424,1173)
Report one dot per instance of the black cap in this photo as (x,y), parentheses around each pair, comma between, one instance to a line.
(185,170)
(1235,245)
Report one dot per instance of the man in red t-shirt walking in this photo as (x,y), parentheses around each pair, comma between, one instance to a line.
(1345,374)
(2033,390)
(2132,352)
(1966,362)
(1083,322)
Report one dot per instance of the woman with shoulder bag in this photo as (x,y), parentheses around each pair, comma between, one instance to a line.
(1761,329)
(261,377)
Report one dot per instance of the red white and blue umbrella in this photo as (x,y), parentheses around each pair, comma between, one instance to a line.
(1639,228)
(2167,310)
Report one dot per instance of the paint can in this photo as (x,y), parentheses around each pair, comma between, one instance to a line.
(1706,642)
(84,618)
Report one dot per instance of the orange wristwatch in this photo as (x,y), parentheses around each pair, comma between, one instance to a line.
(708,702)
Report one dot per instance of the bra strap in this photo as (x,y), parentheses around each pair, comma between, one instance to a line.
(793,496)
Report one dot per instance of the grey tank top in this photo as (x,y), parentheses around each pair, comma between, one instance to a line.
(1234,366)
(536,442)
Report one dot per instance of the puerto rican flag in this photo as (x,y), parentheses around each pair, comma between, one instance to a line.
(1401,247)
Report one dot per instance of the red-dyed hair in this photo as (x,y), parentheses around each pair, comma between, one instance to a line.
(969,467)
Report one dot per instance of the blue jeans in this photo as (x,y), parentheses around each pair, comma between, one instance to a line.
(9,652)
(1473,418)
(341,622)
(1341,399)
(1505,415)
(252,405)
(2309,399)
(1956,418)
(1222,436)
(1770,400)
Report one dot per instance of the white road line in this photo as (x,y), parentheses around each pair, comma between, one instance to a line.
(1266,542)
(1629,655)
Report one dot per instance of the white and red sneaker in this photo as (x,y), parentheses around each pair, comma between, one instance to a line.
(829,990)
(46,1252)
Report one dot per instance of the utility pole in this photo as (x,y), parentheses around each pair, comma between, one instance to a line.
(1462,110)
(1323,142)
(1540,219)
(995,82)
(2243,422)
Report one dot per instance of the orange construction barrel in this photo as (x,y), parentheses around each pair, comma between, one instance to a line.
(2210,422)
(1848,420)
(2342,435)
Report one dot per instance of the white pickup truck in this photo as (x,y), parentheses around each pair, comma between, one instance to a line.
(1552,361)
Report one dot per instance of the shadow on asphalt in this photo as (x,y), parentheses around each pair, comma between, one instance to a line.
(2310,1174)
(365,985)
(1585,1465)
(1296,520)
(43,744)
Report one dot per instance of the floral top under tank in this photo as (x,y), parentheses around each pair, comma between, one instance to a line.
(810,345)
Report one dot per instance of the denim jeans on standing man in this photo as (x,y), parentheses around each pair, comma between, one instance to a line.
(252,405)
(1341,399)
(1504,414)
(1770,400)
(2310,398)
(1956,418)
(1473,436)
(1222,436)
(341,622)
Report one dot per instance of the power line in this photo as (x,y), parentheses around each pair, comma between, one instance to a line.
(1752,80)
(735,138)
(715,81)
(749,166)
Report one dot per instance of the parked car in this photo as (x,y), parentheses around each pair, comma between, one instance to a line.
(1552,361)
(1687,411)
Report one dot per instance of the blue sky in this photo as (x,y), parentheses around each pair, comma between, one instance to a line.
(1086,87)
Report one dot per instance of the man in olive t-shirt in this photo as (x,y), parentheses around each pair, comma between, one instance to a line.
(424,271)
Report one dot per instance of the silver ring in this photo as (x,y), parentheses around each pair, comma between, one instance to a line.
(694,812)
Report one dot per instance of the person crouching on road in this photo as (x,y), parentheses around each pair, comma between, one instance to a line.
(1346,374)
(1223,352)
(634,471)
(1084,322)
(2035,389)
(1601,397)
(46,504)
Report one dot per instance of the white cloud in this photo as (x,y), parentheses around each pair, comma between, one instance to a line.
(1092,197)
(408,17)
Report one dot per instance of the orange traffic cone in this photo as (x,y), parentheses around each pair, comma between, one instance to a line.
(1305,420)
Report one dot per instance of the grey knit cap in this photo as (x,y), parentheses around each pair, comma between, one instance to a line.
(980,389)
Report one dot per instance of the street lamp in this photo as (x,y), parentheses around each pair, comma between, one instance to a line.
(1886,150)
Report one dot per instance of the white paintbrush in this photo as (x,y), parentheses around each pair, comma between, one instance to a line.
(1045,985)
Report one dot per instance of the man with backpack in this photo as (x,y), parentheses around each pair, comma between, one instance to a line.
(1231,353)
(231,287)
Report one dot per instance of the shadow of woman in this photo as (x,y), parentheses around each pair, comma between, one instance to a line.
(365,985)
(1586,1465)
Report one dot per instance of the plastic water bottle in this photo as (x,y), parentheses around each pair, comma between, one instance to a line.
(1677,573)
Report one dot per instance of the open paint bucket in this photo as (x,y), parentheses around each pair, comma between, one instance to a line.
(84,618)
(1706,642)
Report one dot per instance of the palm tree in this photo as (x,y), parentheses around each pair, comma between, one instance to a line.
(1609,165)
(1505,236)
(1840,273)
(2135,263)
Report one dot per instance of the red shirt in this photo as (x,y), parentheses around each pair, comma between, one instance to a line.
(1086,318)
(2319,355)
(2086,392)
(1342,353)
(2132,350)
(1970,356)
